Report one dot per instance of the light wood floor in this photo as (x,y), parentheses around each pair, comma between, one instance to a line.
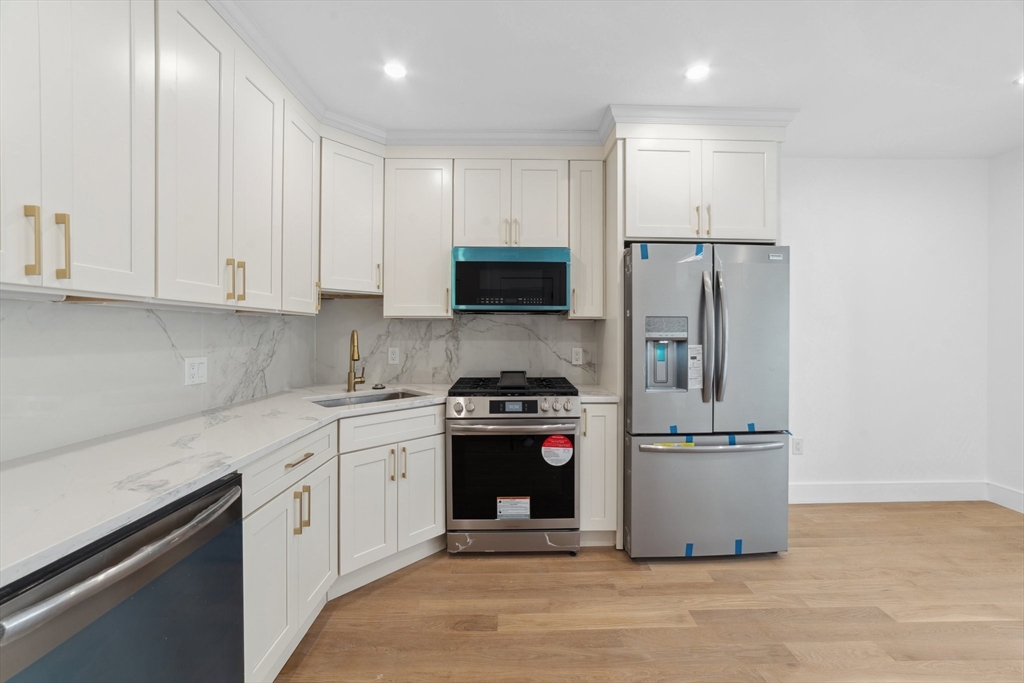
(872,592)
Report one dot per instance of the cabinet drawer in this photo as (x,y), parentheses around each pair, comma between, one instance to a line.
(275,472)
(368,431)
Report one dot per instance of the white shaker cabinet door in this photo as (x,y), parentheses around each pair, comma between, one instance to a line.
(741,190)
(421,487)
(256,217)
(300,225)
(318,542)
(540,203)
(99,118)
(21,181)
(483,205)
(599,430)
(663,189)
(269,569)
(195,85)
(352,232)
(586,238)
(418,238)
(368,506)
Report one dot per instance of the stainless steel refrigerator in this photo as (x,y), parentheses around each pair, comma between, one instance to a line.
(706,455)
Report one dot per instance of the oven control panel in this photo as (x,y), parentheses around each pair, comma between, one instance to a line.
(517,407)
(491,407)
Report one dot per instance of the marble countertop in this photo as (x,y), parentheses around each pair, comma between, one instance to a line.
(56,502)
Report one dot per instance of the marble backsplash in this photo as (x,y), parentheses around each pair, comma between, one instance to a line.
(441,351)
(73,372)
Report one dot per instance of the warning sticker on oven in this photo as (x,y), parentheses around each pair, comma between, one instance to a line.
(514,507)
(557,450)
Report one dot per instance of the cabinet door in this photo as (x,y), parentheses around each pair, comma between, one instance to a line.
(483,204)
(98,121)
(741,190)
(300,225)
(368,527)
(318,543)
(598,467)
(663,189)
(421,487)
(256,233)
(586,238)
(540,203)
(21,180)
(195,79)
(269,583)
(353,219)
(418,248)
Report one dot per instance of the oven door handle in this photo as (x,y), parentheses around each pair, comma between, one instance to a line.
(513,429)
(31,618)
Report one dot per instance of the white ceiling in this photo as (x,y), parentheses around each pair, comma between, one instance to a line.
(871,79)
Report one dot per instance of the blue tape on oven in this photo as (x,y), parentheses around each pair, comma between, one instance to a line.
(739,546)
(750,427)
(672,429)
(700,250)
(689,439)
(732,439)
(689,550)
(643,251)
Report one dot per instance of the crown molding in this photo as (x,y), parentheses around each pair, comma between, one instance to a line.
(354,126)
(698,116)
(494,138)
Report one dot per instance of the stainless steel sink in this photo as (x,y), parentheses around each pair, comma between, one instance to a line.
(366,398)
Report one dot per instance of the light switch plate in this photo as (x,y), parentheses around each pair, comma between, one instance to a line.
(798,446)
(195,370)
(577,356)
(393,355)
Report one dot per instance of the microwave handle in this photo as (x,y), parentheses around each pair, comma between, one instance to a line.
(513,429)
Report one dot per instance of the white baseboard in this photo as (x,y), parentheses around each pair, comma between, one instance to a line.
(381,568)
(887,492)
(594,539)
(1007,497)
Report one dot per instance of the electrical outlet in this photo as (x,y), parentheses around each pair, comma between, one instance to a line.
(798,446)
(393,355)
(577,356)
(195,370)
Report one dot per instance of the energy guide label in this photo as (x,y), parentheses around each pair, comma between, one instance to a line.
(695,366)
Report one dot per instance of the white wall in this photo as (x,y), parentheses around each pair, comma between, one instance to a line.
(1005,463)
(73,372)
(889,327)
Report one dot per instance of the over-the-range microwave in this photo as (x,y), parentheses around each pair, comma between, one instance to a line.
(510,279)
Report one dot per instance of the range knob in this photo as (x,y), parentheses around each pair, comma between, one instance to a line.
(556,405)
(470,407)
(567,405)
(545,405)
(457,407)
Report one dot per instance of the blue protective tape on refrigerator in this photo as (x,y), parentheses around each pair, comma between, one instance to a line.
(672,429)
(750,427)
(739,546)
(700,250)
(732,439)
(643,252)
(689,439)
(689,550)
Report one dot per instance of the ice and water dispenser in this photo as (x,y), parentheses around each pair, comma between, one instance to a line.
(667,361)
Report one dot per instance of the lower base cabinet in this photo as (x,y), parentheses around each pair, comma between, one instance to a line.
(392,498)
(290,559)
(599,466)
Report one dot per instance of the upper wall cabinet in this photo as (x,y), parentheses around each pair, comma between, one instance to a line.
(502,202)
(300,249)
(586,238)
(701,190)
(352,215)
(418,248)
(194,154)
(77,139)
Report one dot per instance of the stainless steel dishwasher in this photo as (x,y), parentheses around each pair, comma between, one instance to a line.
(159,600)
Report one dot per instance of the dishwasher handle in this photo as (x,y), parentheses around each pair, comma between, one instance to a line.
(29,619)
(739,448)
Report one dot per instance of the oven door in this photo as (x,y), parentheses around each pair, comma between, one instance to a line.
(513,474)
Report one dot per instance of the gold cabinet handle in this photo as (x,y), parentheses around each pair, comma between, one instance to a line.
(447,299)
(405,463)
(391,464)
(585,421)
(297,530)
(698,220)
(709,220)
(231,294)
(319,296)
(304,458)
(65,220)
(306,491)
(504,229)
(516,231)
(32,211)
(378,276)
(241,267)
(574,300)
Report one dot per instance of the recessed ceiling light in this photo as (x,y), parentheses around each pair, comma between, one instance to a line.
(394,69)
(697,72)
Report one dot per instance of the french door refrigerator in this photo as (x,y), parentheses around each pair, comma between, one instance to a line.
(706,453)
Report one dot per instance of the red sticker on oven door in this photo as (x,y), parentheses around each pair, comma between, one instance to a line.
(557,450)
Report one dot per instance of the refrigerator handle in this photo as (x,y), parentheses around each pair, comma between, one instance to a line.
(723,371)
(690,448)
(709,337)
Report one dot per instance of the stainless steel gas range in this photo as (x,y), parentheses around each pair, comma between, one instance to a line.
(513,470)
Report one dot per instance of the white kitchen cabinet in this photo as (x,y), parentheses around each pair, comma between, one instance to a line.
(598,450)
(740,190)
(418,244)
(257,130)
(300,224)
(352,206)
(540,203)
(483,203)
(392,498)
(195,86)
(663,189)
(586,238)
(317,545)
